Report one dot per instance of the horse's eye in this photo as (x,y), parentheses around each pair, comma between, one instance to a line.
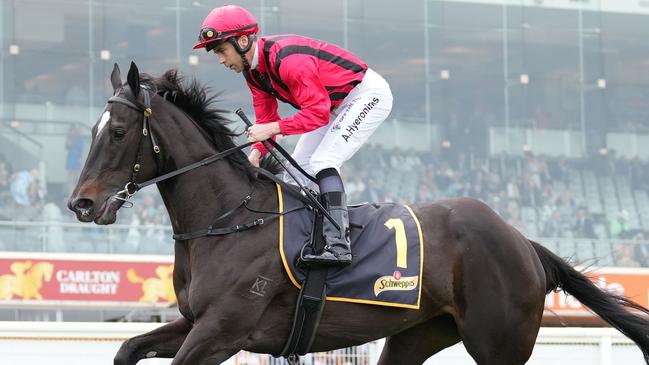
(118,133)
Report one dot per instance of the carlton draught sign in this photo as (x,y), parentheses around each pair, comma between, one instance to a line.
(147,280)
(87,279)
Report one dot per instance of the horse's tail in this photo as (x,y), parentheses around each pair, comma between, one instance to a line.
(132,276)
(612,308)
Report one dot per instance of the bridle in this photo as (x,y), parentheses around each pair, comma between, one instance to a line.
(132,186)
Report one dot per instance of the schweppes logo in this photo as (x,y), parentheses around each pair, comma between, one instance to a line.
(395,282)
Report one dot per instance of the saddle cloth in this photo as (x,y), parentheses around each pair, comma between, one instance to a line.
(387,251)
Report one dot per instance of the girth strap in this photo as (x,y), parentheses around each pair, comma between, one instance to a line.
(310,302)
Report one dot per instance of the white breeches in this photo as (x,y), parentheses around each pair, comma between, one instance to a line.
(350,125)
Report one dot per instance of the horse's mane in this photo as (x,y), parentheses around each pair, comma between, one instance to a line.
(197,101)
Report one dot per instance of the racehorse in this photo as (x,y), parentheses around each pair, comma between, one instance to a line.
(484,283)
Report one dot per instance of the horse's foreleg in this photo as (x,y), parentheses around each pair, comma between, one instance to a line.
(164,341)
(206,344)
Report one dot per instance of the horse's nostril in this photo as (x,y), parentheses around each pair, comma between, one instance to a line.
(83,203)
(83,206)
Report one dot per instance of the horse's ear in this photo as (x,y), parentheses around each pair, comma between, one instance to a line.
(116,78)
(133,79)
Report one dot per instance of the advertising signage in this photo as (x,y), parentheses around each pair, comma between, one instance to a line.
(79,279)
(86,279)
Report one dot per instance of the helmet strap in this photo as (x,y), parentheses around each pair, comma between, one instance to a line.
(242,51)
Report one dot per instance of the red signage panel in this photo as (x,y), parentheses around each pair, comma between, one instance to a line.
(39,278)
(77,278)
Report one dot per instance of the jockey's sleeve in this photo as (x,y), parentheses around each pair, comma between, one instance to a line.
(265,106)
(301,76)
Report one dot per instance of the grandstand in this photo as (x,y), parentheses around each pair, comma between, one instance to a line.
(538,108)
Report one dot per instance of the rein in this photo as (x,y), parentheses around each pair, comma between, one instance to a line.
(133,187)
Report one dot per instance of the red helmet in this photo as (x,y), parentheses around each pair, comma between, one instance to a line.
(225,22)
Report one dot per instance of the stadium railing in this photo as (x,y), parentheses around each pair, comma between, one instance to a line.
(51,236)
(604,346)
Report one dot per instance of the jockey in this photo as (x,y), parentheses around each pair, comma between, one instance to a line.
(340,101)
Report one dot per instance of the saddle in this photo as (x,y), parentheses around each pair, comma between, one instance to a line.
(310,303)
(387,251)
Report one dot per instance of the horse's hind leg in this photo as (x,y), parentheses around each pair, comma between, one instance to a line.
(161,342)
(498,333)
(499,286)
(415,345)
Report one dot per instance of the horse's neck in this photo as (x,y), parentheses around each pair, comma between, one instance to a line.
(196,198)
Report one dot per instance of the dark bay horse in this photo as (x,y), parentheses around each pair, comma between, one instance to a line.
(483,282)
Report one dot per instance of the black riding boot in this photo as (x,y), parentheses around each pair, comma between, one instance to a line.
(337,250)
